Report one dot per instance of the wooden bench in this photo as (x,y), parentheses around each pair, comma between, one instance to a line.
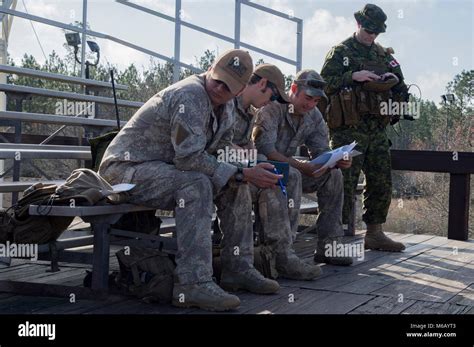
(100,218)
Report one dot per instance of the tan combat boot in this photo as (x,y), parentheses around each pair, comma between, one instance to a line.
(292,267)
(327,252)
(250,280)
(377,240)
(207,296)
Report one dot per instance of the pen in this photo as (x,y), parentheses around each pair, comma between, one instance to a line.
(283,189)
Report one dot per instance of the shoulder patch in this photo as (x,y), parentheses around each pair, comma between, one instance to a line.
(394,63)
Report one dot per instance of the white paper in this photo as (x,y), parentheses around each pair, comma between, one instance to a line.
(330,159)
(123,187)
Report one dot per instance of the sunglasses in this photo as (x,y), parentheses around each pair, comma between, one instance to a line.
(275,93)
(312,83)
(370,32)
(222,83)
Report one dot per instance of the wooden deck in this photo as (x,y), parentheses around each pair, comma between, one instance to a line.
(433,276)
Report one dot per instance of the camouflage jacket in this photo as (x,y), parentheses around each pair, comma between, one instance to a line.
(349,57)
(276,129)
(244,122)
(178,126)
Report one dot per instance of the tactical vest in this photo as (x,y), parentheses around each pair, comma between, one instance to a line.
(351,103)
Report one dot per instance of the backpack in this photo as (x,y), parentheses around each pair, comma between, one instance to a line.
(84,186)
(146,273)
(18,226)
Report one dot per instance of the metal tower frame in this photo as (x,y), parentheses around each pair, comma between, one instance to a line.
(175,60)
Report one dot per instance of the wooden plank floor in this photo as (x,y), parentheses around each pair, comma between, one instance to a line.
(433,275)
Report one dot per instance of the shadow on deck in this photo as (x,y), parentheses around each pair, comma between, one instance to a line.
(433,275)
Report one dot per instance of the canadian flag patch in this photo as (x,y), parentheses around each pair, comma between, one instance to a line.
(394,63)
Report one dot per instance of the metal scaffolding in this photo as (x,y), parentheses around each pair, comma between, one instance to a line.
(177,20)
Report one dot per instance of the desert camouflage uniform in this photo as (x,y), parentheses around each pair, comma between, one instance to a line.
(167,149)
(277,129)
(272,203)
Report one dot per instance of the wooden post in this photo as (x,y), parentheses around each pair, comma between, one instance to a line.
(459,195)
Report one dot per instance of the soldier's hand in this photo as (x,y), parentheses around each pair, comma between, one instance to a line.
(344,164)
(308,169)
(319,173)
(388,75)
(260,175)
(364,76)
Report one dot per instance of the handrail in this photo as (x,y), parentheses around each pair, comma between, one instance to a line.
(67,95)
(58,77)
(460,166)
(55,119)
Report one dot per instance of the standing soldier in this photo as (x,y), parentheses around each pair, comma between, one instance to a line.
(360,76)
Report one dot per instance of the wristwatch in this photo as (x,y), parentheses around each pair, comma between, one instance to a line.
(239,175)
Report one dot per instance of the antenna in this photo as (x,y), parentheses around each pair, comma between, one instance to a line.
(115,98)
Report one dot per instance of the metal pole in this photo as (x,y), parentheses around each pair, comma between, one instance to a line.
(6,22)
(237,24)
(299,46)
(177,41)
(84,38)
(3,80)
(446,134)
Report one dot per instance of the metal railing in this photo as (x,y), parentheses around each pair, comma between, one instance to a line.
(175,60)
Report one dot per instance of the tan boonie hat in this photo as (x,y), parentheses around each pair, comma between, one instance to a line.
(380,85)
(312,82)
(88,187)
(234,68)
(274,75)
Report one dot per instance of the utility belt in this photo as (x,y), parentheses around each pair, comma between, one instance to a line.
(347,107)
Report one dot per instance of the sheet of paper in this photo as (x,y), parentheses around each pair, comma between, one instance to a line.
(123,187)
(330,159)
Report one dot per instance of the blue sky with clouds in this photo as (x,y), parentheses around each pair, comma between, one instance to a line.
(432,39)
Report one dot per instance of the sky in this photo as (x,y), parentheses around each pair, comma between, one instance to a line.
(432,39)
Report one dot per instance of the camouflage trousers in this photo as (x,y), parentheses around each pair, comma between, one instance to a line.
(273,213)
(190,194)
(374,161)
(329,190)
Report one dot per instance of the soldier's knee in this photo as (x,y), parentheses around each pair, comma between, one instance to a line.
(197,187)
(294,174)
(336,180)
(294,178)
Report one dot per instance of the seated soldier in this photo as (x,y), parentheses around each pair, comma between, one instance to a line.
(166,149)
(279,130)
(268,84)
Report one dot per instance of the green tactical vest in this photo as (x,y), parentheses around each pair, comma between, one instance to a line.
(353,102)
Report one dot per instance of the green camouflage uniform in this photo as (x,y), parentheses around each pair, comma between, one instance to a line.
(369,131)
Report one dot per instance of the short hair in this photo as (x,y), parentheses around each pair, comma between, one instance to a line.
(255,78)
